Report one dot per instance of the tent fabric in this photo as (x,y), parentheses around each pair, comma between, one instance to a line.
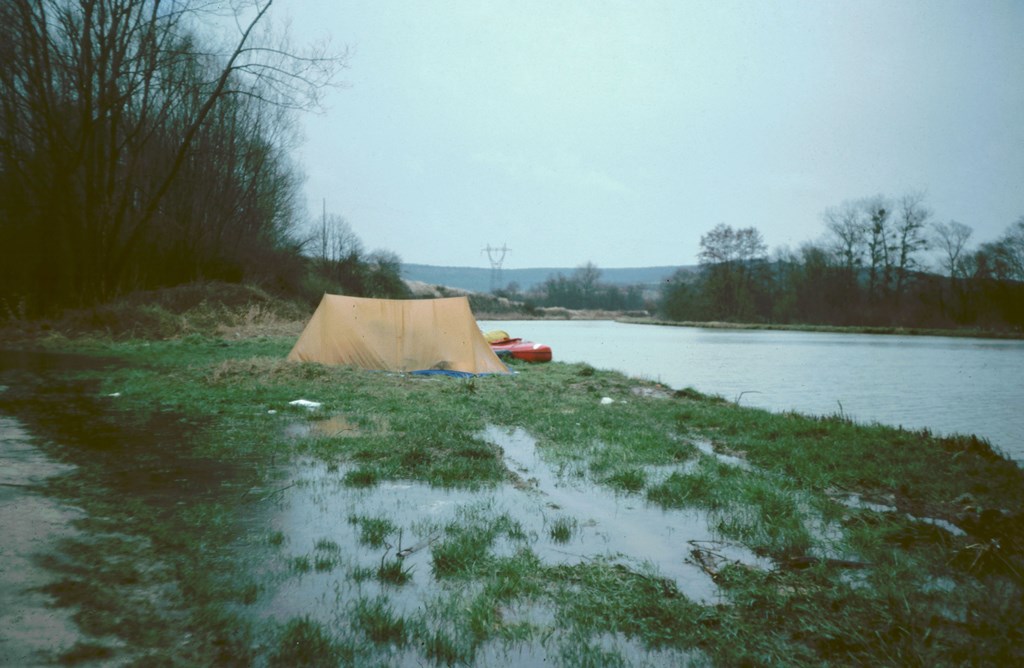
(404,335)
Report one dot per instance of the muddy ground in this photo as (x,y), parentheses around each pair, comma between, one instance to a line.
(32,630)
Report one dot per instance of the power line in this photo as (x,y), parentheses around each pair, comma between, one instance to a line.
(496,256)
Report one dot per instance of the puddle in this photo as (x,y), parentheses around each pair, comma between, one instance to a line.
(331,427)
(706,448)
(31,629)
(618,527)
(857,502)
(146,456)
(312,514)
(316,510)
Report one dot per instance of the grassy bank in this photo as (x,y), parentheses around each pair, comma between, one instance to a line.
(209,495)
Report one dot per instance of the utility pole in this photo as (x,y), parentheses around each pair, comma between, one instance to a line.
(496,256)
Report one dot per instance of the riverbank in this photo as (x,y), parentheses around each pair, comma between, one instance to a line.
(433,520)
(225,309)
(555,313)
(852,329)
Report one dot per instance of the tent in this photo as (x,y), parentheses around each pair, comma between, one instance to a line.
(409,335)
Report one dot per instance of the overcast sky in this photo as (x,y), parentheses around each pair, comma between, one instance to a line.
(619,132)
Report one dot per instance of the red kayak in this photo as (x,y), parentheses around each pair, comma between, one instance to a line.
(528,351)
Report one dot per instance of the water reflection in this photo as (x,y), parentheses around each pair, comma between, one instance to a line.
(150,457)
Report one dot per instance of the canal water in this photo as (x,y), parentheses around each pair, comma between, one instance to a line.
(948,385)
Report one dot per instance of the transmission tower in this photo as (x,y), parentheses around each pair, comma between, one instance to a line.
(496,257)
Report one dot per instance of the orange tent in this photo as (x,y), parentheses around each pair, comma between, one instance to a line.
(409,335)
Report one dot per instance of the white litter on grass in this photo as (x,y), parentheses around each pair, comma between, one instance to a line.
(114,394)
(607,400)
(271,412)
(306,403)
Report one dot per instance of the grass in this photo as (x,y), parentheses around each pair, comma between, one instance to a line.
(764,512)
(305,642)
(180,472)
(373,531)
(627,479)
(302,564)
(376,618)
(465,549)
(394,572)
(562,529)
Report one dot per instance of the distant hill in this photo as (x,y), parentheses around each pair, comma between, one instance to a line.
(478,279)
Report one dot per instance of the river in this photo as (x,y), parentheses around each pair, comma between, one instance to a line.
(948,385)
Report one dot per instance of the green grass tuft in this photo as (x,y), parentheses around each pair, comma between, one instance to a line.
(362,477)
(326,545)
(305,642)
(301,564)
(562,529)
(628,480)
(376,618)
(373,531)
(395,572)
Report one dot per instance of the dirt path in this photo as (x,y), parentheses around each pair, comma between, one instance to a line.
(32,631)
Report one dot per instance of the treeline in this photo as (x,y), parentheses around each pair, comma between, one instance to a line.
(871,267)
(582,289)
(139,149)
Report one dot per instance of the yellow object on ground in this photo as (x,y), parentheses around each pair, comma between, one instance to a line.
(496,335)
(439,335)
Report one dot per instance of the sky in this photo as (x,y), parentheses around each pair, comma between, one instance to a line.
(619,132)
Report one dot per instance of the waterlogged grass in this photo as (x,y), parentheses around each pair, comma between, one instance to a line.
(836,453)
(305,642)
(394,572)
(627,479)
(379,622)
(466,547)
(373,531)
(562,529)
(183,467)
(767,513)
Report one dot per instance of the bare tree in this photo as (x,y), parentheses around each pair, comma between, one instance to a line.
(951,239)
(909,236)
(587,276)
(877,212)
(336,240)
(723,244)
(1007,253)
(847,236)
(109,107)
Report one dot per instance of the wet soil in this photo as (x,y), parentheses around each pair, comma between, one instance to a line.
(32,630)
(66,448)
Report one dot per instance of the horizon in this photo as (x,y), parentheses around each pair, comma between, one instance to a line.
(488,268)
